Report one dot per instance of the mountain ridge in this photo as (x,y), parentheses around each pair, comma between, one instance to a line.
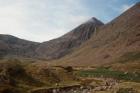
(61,46)
(115,39)
(53,49)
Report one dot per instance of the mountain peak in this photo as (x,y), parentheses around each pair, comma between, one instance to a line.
(94,20)
(73,39)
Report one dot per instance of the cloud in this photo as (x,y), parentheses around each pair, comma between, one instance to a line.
(40,20)
(11,19)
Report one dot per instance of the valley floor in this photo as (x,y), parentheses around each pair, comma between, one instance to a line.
(117,87)
(18,77)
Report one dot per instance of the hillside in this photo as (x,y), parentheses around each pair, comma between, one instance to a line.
(94,58)
(11,46)
(61,46)
(115,42)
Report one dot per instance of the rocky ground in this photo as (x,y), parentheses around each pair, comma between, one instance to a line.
(113,87)
(104,86)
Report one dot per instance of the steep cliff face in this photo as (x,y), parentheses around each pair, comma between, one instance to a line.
(61,46)
(115,42)
(13,46)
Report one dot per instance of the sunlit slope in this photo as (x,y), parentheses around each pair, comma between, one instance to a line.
(115,42)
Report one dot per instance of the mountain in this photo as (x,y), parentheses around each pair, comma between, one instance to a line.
(63,45)
(96,58)
(12,47)
(115,42)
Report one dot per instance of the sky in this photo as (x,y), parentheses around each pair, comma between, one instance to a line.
(43,20)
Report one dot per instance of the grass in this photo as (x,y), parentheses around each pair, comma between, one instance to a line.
(129,57)
(107,73)
(126,90)
(27,76)
(128,85)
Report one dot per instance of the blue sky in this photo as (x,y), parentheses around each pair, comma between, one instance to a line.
(42,20)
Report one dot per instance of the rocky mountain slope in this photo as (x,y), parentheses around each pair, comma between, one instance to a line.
(113,47)
(13,46)
(116,42)
(61,46)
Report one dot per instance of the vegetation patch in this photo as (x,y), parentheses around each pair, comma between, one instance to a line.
(108,73)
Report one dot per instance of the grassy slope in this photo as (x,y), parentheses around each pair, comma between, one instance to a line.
(17,77)
(117,39)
